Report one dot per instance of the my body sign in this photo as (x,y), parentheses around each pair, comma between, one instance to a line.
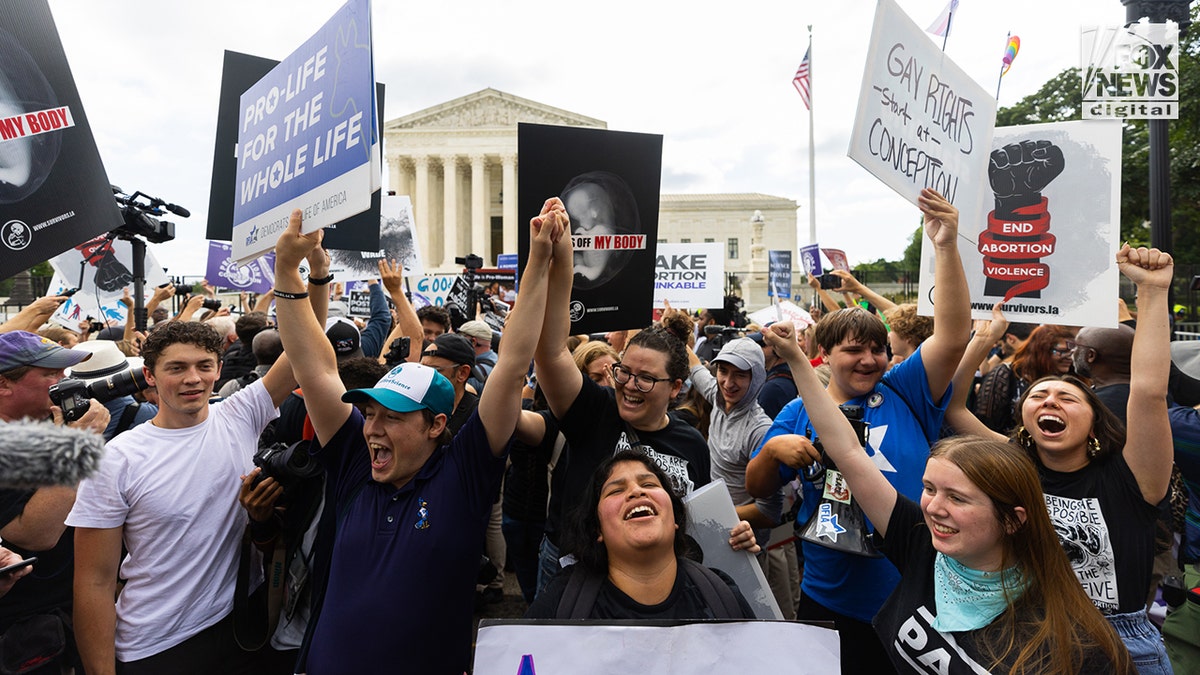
(305,134)
(921,121)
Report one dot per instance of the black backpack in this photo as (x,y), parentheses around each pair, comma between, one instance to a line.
(582,588)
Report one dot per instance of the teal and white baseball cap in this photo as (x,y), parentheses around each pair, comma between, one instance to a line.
(407,388)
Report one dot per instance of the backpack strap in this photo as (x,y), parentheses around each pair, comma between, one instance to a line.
(718,597)
(128,415)
(579,596)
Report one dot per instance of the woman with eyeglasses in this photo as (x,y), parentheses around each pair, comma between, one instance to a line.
(1046,352)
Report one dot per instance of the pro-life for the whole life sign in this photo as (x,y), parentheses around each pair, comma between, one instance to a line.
(305,135)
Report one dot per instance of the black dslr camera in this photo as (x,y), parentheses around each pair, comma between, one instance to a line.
(813,472)
(72,395)
(287,464)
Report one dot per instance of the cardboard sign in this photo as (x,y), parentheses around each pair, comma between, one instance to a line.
(54,192)
(1050,231)
(609,182)
(921,121)
(689,275)
(255,276)
(779,282)
(305,135)
(526,647)
(397,242)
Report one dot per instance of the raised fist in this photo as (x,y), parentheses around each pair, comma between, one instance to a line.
(1024,168)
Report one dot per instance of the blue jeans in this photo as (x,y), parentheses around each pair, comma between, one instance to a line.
(548,564)
(523,539)
(1143,641)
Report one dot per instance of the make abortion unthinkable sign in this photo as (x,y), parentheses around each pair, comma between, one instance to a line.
(305,135)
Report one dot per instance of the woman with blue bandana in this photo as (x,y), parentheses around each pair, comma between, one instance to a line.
(985,585)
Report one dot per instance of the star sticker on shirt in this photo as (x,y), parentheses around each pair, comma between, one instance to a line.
(875,442)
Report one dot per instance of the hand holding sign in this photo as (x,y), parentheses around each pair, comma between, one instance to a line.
(292,247)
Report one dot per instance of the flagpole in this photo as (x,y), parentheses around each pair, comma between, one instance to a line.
(949,20)
(812,153)
(1001,77)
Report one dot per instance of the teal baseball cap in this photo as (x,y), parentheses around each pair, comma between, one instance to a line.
(409,387)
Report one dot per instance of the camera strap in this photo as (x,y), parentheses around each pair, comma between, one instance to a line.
(128,415)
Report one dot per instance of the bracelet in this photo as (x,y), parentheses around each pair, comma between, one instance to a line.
(322,281)
(291,296)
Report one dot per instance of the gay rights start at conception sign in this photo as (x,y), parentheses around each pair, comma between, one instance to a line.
(305,135)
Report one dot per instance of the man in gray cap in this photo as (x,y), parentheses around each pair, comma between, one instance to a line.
(480,335)
(31,521)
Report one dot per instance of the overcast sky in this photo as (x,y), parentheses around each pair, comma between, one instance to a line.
(714,78)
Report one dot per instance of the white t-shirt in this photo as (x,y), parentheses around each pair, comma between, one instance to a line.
(176,493)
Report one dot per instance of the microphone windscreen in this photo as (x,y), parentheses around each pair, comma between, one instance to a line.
(42,454)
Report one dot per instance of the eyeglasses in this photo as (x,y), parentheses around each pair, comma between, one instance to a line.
(1063,352)
(643,383)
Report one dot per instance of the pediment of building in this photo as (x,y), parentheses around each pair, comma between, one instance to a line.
(489,108)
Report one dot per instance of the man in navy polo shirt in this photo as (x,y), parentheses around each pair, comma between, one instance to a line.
(412,505)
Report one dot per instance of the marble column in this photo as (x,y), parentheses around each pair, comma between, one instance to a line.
(479,206)
(403,180)
(509,186)
(450,210)
(420,199)
(395,173)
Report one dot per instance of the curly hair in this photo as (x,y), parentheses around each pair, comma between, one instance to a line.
(436,314)
(1032,360)
(662,340)
(906,323)
(195,333)
(582,534)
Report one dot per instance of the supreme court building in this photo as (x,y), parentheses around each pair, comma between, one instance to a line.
(458,163)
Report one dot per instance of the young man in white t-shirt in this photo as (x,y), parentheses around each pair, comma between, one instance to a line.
(169,491)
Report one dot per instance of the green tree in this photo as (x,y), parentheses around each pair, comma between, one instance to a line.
(1060,99)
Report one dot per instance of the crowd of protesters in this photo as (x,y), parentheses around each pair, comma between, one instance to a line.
(292,490)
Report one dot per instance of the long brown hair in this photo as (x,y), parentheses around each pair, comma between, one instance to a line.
(1052,624)
(1032,360)
(1106,426)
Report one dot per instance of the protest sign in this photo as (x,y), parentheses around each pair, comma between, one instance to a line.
(397,242)
(359,303)
(711,516)
(700,647)
(779,282)
(432,290)
(609,183)
(1051,230)
(239,73)
(54,191)
(1130,72)
(305,135)
(837,258)
(689,275)
(255,276)
(781,311)
(921,121)
(510,261)
(810,260)
(101,269)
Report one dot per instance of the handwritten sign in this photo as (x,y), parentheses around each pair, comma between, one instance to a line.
(921,121)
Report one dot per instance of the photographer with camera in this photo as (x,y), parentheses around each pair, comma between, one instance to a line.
(31,521)
(107,377)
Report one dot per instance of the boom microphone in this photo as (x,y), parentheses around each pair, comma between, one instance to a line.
(42,454)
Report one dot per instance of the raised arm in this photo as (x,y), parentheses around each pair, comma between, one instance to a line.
(304,336)
(318,294)
(556,371)
(407,323)
(958,417)
(31,318)
(943,350)
(873,492)
(1148,448)
(852,285)
(500,403)
(827,300)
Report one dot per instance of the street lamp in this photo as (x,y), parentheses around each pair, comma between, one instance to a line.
(1159,11)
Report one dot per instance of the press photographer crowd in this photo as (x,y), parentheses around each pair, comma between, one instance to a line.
(283,488)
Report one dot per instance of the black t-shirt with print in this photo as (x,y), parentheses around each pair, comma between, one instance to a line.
(595,431)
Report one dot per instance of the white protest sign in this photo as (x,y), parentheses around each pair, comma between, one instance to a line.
(305,135)
(921,121)
(1045,243)
(689,275)
(107,270)
(397,241)
(711,516)
(736,647)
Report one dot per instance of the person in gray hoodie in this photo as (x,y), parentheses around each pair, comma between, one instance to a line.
(737,426)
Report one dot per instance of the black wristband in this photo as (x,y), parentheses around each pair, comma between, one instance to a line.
(291,296)
(322,281)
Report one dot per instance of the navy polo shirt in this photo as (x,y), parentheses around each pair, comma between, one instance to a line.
(402,580)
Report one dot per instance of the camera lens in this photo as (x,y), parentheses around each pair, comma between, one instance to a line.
(115,386)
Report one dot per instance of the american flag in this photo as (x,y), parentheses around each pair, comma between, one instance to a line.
(802,82)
